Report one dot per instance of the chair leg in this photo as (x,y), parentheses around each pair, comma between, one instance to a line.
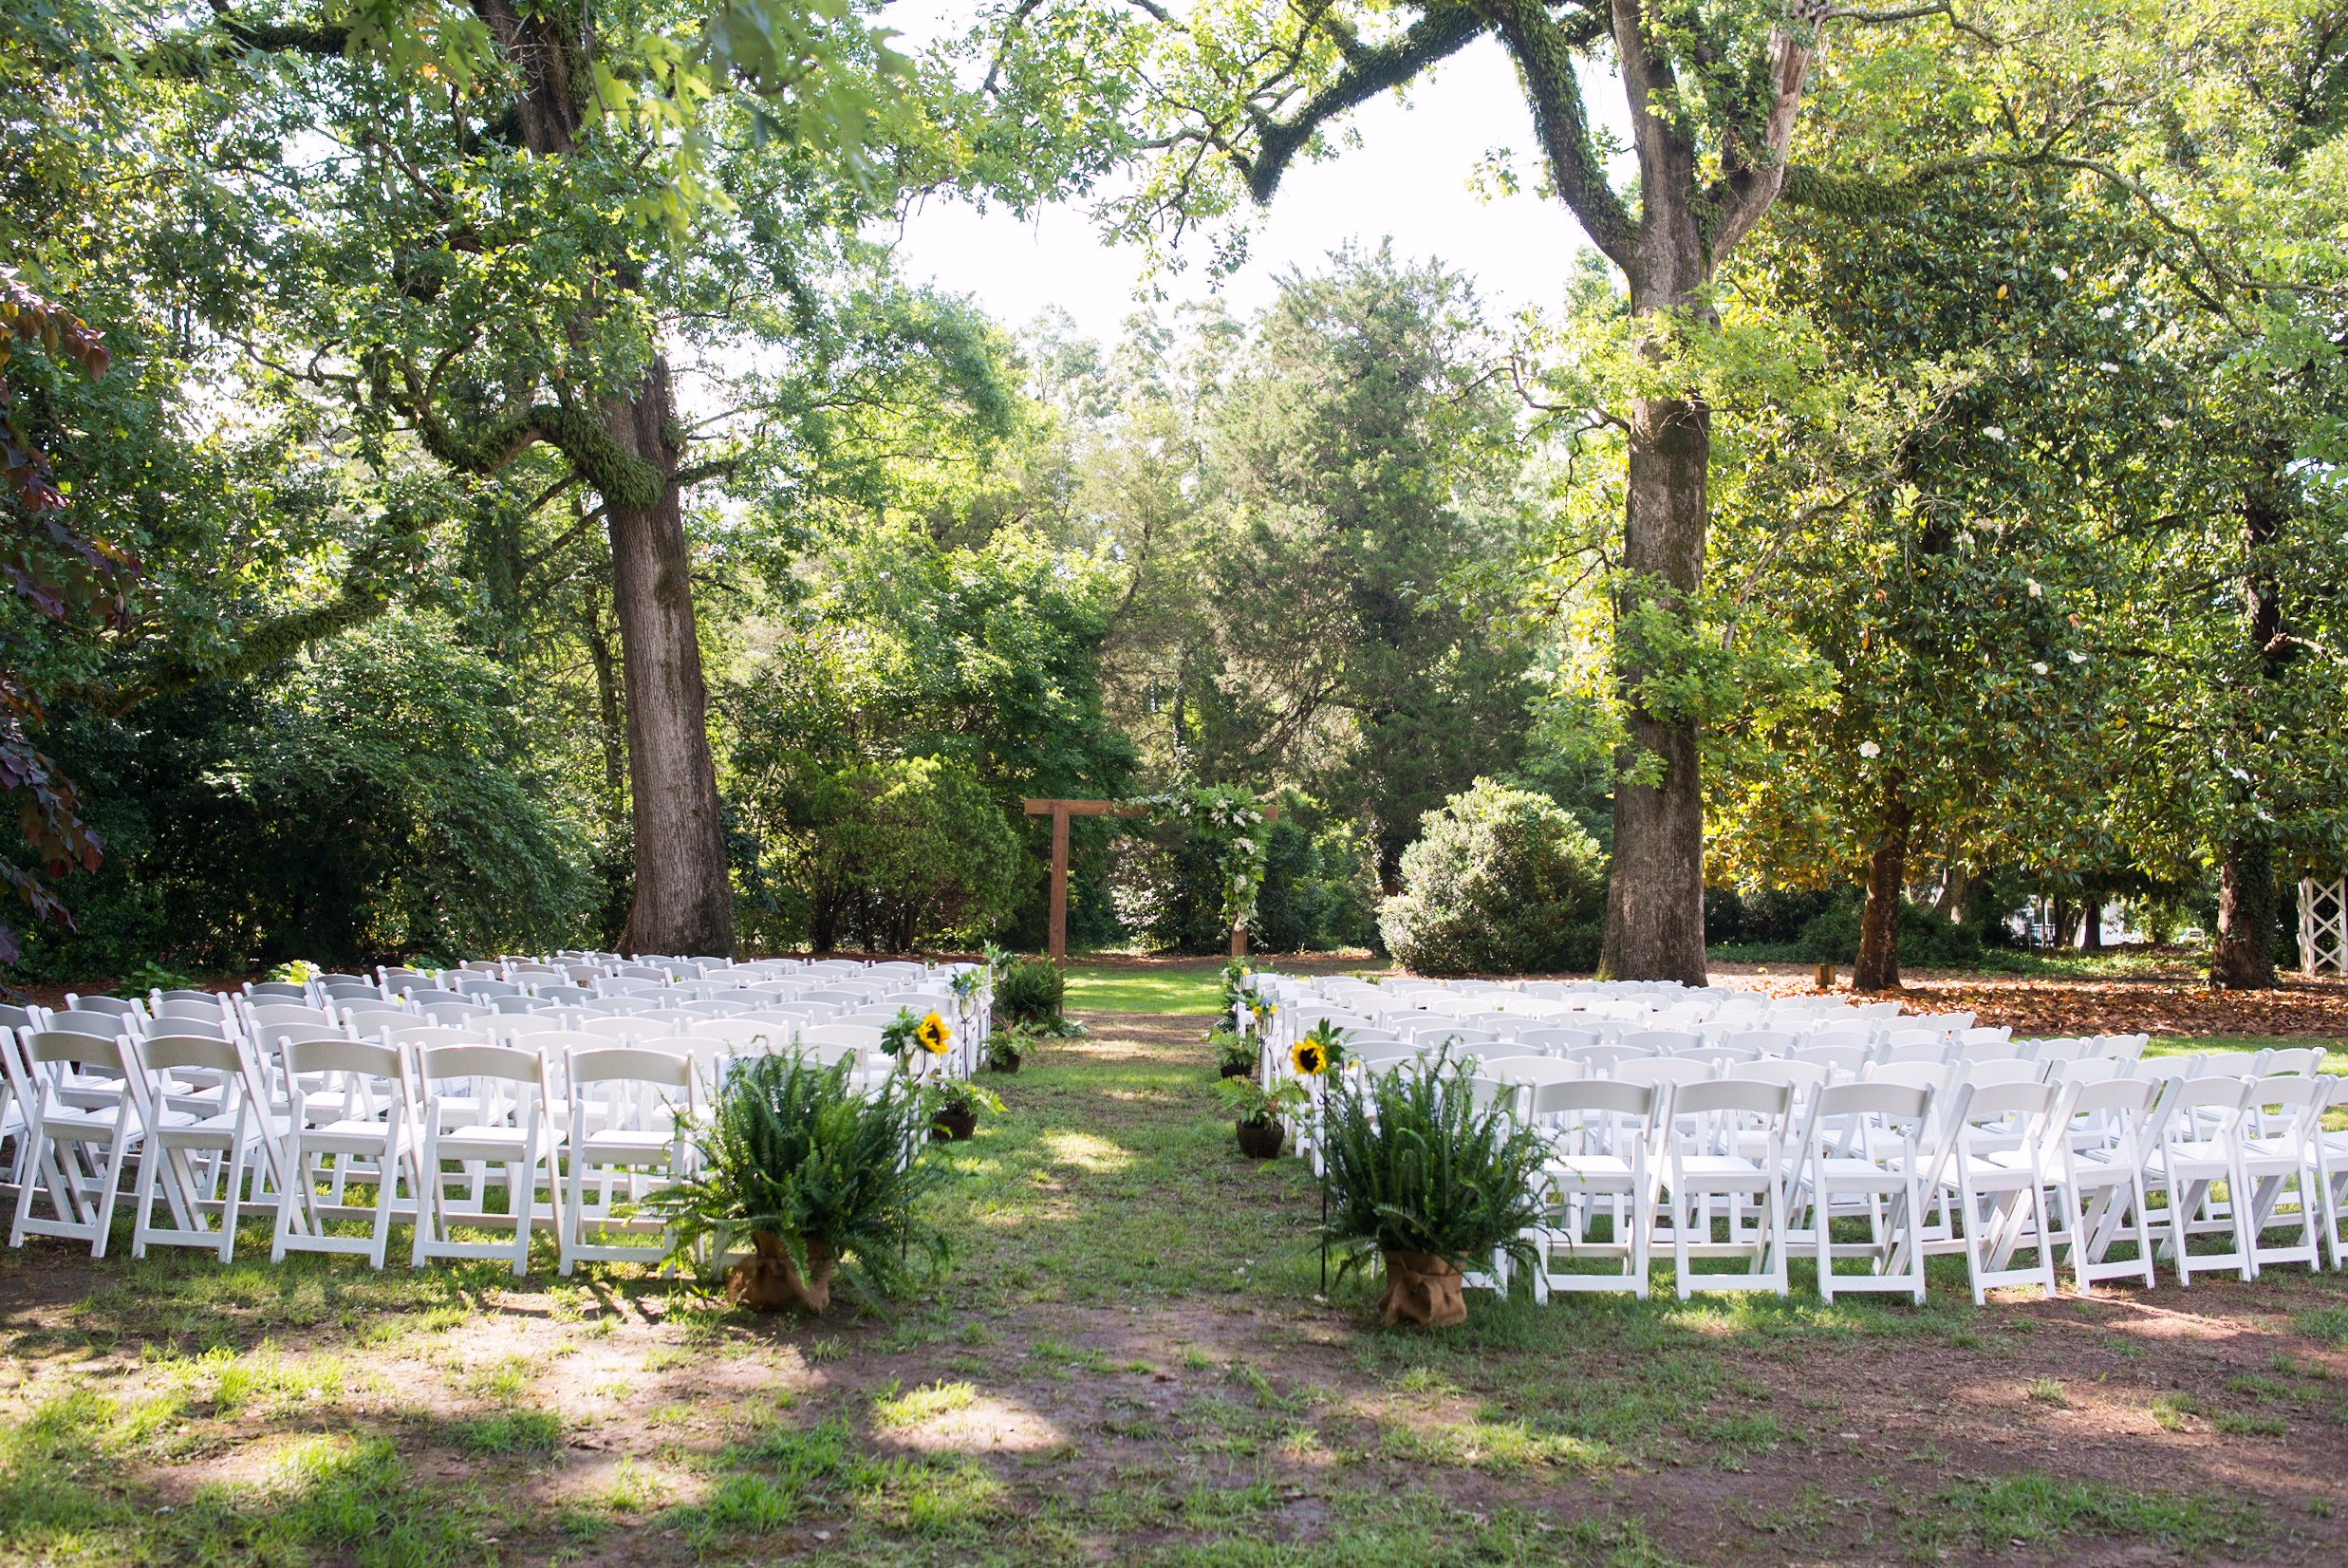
(521,1197)
(143,1209)
(1822,1198)
(103,1220)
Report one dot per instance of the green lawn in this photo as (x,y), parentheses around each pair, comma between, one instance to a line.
(2334,1060)
(1176,985)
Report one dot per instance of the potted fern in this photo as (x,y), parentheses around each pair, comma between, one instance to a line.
(1006,1048)
(810,1176)
(1428,1182)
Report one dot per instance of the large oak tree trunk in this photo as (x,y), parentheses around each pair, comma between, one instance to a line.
(1878,967)
(683,899)
(1654,898)
(684,902)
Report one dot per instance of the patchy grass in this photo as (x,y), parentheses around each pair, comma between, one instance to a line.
(520,1431)
(2037,1509)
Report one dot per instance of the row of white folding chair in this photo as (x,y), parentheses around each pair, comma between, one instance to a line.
(2096,1143)
(433,1102)
(2183,1138)
(1633,1151)
(1627,1144)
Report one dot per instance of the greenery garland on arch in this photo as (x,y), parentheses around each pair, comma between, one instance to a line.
(1229,813)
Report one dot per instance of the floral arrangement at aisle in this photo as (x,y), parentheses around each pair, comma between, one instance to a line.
(1222,811)
(1234,1053)
(1262,1111)
(1006,1048)
(1319,1051)
(918,1043)
(955,1104)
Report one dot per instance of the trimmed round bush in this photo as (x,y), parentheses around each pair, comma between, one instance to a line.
(1028,992)
(1501,881)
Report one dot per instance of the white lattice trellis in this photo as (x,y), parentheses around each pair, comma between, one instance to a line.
(2323,926)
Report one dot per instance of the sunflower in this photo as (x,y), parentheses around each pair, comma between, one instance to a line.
(1309,1057)
(932,1035)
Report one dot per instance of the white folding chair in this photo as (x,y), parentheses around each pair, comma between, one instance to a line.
(1727,1142)
(631,1112)
(1864,1158)
(2000,1136)
(348,1103)
(483,1109)
(1604,1162)
(2331,1155)
(202,1158)
(73,1148)
(2101,1127)
(2199,1150)
(2282,1121)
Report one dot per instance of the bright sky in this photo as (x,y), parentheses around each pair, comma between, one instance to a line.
(1408,180)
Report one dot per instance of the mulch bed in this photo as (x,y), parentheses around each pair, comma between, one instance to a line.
(2308,1009)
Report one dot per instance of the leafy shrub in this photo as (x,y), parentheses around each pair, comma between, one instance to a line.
(1765,915)
(898,854)
(1927,936)
(1030,992)
(1501,881)
(368,798)
(796,1151)
(1415,1166)
(1319,891)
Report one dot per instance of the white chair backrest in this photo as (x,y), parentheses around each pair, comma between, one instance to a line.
(1662,1069)
(2089,1070)
(2225,1064)
(747,1034)
(260,1015)
(96,1026)
(1851,1059)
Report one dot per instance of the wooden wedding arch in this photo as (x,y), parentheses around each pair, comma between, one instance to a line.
(1059,812)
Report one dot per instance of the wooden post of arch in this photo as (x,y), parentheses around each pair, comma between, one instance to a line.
(1059,812)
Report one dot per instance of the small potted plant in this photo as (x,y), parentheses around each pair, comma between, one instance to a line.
(1007,1048)
(1260,1110)
(1427,1182)
(1235,1054)
(955,1104)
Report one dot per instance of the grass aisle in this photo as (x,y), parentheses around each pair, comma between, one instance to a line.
(1127,1365)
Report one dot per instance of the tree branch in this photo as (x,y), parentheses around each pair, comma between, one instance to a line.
(1545,48)
(1442,31)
